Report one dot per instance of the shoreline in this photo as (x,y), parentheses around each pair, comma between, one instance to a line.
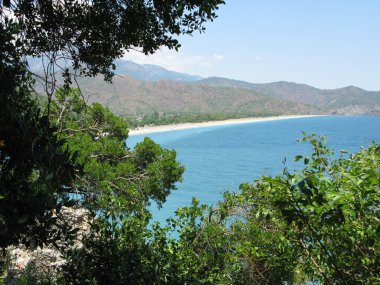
(185,126)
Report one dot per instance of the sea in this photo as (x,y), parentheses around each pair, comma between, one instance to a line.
(221,158)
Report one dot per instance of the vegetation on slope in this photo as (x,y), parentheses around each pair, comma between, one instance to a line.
(159,119)
(341,101)
(219,95)
(130,96)
(319,224)
(39,168)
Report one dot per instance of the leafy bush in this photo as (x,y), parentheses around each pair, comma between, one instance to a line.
(318,224)
(321,223)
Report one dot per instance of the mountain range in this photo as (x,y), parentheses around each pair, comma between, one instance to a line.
(143,89)
(150,72)
(127,95)
(346,100)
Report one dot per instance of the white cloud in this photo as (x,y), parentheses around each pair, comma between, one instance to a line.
(258,58)
(181,61)
(217,57)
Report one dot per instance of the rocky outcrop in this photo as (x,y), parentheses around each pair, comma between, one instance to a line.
(48,260)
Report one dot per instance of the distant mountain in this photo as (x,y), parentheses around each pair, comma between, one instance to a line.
(149,72)
(147,88)
(144,72)
(127,95)
(347,100)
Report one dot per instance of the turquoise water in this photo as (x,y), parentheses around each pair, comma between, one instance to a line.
(221,158)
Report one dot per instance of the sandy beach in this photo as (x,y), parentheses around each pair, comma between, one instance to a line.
(168,128)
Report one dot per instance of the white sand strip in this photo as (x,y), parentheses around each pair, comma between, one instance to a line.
(185,126)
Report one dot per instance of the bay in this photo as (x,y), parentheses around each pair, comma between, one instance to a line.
(220,158)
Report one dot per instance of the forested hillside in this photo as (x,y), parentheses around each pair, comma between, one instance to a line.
(145,89)
(149,88)
(127,95)
(347,100)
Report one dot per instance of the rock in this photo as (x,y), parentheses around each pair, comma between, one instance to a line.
(47,261)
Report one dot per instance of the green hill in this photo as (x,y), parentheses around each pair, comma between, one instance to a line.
(147,89)
(342,101)
(127,95)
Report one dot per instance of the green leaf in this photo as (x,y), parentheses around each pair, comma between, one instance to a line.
(298,157)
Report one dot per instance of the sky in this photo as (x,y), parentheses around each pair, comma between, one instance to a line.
(323,43)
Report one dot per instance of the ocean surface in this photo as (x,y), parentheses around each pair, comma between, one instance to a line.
(220,158)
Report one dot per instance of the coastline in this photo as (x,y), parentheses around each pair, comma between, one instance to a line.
(185,126)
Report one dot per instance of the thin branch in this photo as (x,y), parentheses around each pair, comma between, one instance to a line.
(313,231)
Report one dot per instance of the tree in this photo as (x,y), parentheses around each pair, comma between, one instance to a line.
(320,224)
(90,35)
(34,168)
(72,37)
(128,251)
(38,161)
(109,169)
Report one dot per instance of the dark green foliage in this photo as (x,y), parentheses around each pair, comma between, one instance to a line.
(34,167)
(323,221)
(203,253)
(116,252)
(93,34)
(127,251)
(32,276)
(319,224)
(39,157)
(110,170)
(121,248)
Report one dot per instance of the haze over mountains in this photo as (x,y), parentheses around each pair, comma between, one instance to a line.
(144,89)
(150,72)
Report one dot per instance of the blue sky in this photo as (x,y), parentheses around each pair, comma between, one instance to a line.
(323,43)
